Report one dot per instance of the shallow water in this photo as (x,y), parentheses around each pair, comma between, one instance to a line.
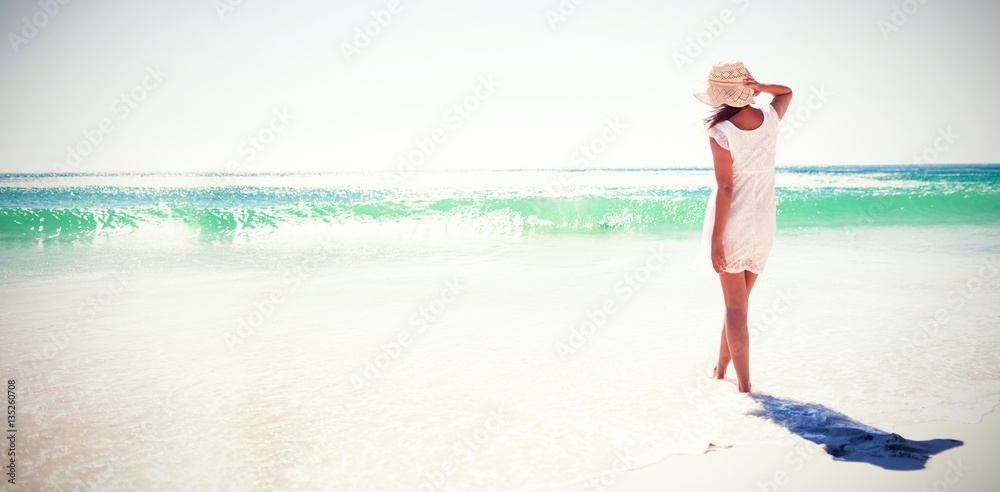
(484,361)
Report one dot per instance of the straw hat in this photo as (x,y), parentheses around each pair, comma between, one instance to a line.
(725,86)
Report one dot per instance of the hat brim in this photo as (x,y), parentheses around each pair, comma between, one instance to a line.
(716,95)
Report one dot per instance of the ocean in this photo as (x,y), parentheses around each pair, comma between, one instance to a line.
(480,330)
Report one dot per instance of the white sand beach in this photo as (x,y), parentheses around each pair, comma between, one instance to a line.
(515,365)
(808,467)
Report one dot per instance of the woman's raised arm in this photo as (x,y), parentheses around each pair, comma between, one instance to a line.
(782,95)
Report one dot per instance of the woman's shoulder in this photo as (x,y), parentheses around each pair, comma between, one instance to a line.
(719,133)
(722,127)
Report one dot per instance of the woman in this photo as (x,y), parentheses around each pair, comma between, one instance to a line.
(740,221)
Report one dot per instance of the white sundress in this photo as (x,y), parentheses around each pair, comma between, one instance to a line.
(751,226)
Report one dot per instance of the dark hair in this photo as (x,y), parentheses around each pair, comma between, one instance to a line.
(720,114)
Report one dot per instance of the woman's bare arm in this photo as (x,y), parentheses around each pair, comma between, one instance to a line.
(723,164)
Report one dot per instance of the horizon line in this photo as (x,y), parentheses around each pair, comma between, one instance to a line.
(833,167)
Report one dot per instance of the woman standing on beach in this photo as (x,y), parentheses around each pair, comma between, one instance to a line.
(740,220)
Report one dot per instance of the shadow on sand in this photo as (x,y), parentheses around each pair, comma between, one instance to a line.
(846,439)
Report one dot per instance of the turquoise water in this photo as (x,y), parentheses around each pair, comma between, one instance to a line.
(50,209)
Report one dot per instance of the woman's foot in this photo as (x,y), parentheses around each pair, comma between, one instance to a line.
(718,375)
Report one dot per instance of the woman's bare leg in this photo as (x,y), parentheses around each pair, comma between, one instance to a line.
(751,279)
(735,293)
(724,356)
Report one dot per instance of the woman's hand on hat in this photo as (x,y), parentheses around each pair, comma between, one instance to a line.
(749,81)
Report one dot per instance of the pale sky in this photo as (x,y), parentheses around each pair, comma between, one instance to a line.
(277,86)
